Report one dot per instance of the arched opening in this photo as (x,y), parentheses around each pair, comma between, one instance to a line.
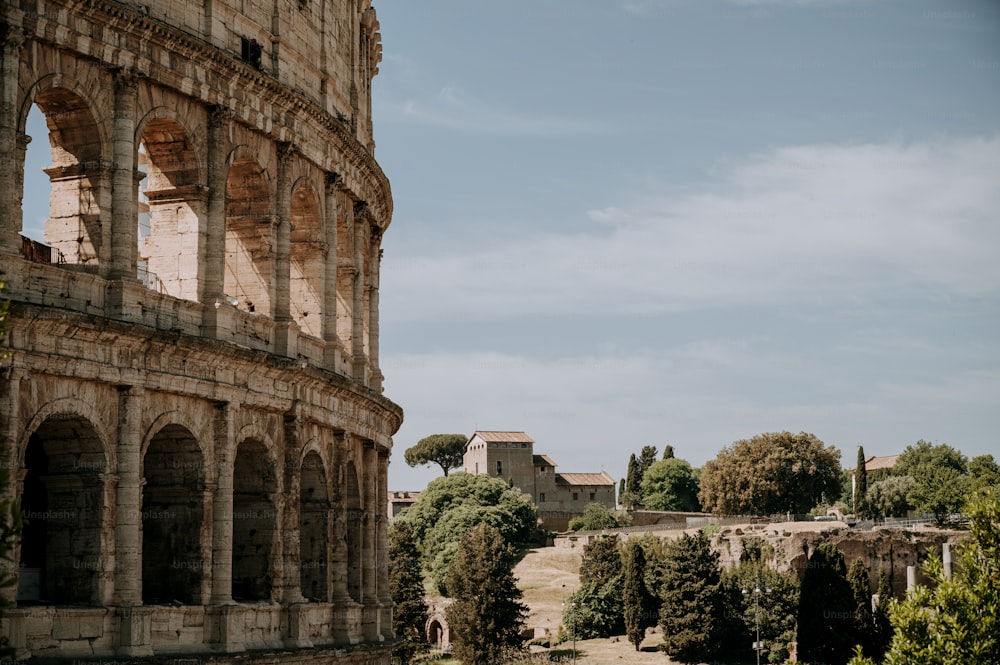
(308,262)
(250,237)
(172,517)
(172,207)
(254,519)
(434,633)
(354,531)
(62,502)
(314,549)
(79,184)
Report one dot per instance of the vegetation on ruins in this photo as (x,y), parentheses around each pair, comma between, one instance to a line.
(595,608)
(452,505)
(941,476)
(769,474)
(487,614)
(406,587)
(826,625)
(954,620)
(445,450)
(597,516)
(691,609)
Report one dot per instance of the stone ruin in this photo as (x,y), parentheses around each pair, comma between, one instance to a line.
(191,408)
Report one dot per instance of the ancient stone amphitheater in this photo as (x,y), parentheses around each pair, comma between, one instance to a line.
(191,410)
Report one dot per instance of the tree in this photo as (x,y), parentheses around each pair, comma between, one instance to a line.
(770,473)
(954,620)
(637,603)
(595,609)
(864,620)
(487,614)
(646,458)
(406,588)
(984,473)
(445,450)
(597,516)
(668,452)
(861,486)
(826,631)
(670,485)
(888,498)
(690,613)
(452,505)
(941,475)
(632,494)
(882,626)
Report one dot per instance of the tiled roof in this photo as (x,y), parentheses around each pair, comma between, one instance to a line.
(541,460)
(403,495)
(591,479)
(884,462)
(503,437)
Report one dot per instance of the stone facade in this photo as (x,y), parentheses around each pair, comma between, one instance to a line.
(191,405)
(559,496)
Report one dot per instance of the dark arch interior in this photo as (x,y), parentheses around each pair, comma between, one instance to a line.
(254,520)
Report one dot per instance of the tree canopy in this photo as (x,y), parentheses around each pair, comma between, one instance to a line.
(670,484)
(826,626)
(445,450)
(597,516)
(941,475)
(691,611)
(487,614)
(771,473)
(406,588)
(595,609)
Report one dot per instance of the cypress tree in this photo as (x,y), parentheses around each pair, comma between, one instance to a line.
(826,632)
(691,612)
(864,623)
(633,475)
(406,587)
(861,486)
(881,626)
(634,596)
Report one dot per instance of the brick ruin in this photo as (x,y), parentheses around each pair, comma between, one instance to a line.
(191,408)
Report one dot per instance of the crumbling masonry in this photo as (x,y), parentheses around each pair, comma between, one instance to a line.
(191,411)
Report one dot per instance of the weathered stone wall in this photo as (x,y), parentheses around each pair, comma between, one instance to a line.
(191,403)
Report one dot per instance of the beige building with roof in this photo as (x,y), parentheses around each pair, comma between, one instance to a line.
(559,496)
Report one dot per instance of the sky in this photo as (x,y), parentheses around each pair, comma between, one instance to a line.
(622,223)
(646,222)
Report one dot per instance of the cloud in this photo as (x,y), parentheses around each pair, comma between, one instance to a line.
(802,224)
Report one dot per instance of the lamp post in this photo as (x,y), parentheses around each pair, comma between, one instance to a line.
(758,645)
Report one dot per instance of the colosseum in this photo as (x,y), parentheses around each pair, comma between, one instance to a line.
(191,407)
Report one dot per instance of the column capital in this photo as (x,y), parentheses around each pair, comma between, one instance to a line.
(12,37)
(219,114)
(286,151)
(126,81)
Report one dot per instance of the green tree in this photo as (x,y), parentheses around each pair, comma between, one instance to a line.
(670,484)
(445,450)
(646,458)
(636,600)
(597,516)
(984,473)
(452,505)
(864,620)
(881,624)
(668,452)
(954,620)
(690,613)
(941,474)
(771,473)
(861,486)
(487,614)
(406,588)
(826,632)
(632,494)
(889,497)
(595,609)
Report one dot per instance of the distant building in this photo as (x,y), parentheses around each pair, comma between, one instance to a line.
(559,496)
(401,500)
(876,468)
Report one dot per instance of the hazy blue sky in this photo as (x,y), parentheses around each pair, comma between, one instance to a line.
(629,222)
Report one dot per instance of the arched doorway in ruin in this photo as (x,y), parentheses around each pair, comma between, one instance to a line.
(173,511)
(308,265)
(254,520)
(62,502)
(355,533)
(314,509)
(250,237)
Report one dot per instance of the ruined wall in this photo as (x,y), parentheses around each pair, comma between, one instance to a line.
(191,406)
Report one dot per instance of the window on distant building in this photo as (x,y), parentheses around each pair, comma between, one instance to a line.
(592,496)
(541,497)
(499,468)
(576,496)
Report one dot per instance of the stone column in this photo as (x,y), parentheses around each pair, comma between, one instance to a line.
(340,597)
(10,165)
(369,586)
(128,504)
(10,399)
(123,184)
(334,348)
(222,506)
(211,290)
(359,362)
(375,263)
(290,539)
(283,245)
(382,546)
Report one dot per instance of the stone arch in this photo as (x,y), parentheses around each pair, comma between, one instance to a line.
(308,258)
(62,498)
(79,176)
(314,511)
(354,530)
(173,517)
(436,630)
(250,234)
(172,206)
(255,486)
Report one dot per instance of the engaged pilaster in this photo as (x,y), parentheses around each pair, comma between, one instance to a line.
(128,504)
(211,289)
(124,192)
(382,546)
(222,506)
(359,362)
(13,164)
(334,347)
(374,264)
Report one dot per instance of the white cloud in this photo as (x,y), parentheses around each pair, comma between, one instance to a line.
(805,224)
